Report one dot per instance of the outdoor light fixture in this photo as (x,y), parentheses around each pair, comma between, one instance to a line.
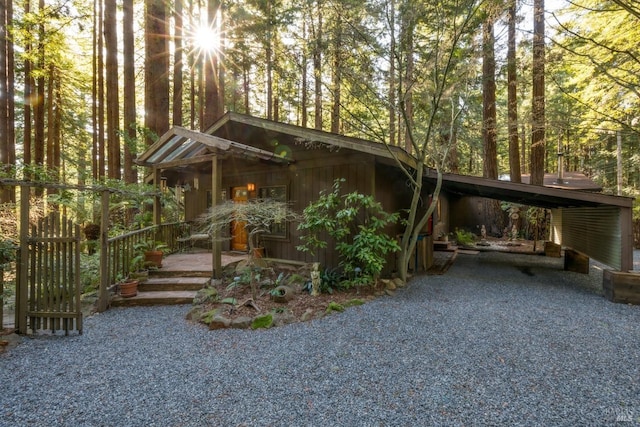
(163,183)
(196,183)
(251,187)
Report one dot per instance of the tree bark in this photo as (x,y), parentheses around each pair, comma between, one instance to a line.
(156,69)
(212,101)
(304,85)
(512,96)
(392,73)
(101,146)
(538,105)
(113,96)
(177,65)
(129,93)
(490,168)
(317,67)
(337,74)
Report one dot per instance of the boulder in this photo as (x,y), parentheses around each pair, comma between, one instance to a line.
(241,323)
(219,322)
(205,295)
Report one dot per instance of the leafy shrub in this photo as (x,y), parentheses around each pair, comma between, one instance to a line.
(465,238)
(357,224)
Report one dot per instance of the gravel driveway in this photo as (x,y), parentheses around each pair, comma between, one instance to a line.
(501,339)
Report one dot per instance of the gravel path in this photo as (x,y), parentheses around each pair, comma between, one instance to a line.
(499,340)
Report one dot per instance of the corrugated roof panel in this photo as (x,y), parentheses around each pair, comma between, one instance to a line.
(164,150)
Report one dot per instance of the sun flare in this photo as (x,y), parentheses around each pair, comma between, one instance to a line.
(206,39)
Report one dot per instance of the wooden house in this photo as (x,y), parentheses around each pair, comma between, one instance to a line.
(242,157)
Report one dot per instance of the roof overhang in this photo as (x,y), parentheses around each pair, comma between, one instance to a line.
(526,194)
(183,147)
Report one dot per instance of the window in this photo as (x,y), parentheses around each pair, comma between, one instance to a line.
(279,193)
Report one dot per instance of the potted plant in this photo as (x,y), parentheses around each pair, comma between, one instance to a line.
(139,267)
(128,287)
(152,250)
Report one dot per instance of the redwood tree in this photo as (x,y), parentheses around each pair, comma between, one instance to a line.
(537,107)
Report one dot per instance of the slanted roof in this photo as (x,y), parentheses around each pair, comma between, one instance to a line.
(238,134)
(181,147)
(526,194)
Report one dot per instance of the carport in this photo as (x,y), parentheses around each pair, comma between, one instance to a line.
(598,225)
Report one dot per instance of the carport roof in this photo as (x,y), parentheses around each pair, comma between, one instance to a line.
(526,194)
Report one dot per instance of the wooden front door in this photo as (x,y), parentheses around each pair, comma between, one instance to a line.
(238,232)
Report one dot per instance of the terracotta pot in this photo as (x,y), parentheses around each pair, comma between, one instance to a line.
(129,289)
(154,258)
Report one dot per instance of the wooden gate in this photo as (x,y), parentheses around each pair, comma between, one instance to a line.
(48,296)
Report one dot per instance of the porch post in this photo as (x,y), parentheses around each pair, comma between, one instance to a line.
(156,197)
(103,294)
(216,247)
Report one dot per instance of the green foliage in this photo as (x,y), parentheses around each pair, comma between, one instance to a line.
(7,251)
(150,246)
(262,322)
(89,272)
(230,301)
(207,317)
(334,306)
(357,224)
(464,238)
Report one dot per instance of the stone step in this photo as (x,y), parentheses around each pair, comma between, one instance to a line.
(155,298)
(179,273)
(173,284)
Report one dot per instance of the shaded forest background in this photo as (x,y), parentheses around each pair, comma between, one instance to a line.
(85,85)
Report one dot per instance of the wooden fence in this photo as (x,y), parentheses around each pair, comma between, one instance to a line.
(48,283)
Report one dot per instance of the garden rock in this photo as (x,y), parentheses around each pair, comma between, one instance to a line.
(241,323)
(399,282)
(219,322)
(205,295)
(284,318)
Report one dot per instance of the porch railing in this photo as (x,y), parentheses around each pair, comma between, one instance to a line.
(121,249)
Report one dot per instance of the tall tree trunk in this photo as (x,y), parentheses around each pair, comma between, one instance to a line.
(129,93)
(408,26)
(538,105)
(337,73)
(101,153)
(156,82)
(490,168)
(512,96)
(304,89)
(38,106)
(113,97)
(5,165)
(11,108)
(212,100)
(391,13)
(28,94)
(268,60)
(317,67)
(177,65)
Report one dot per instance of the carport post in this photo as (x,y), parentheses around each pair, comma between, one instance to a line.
(216,247)
(626,238)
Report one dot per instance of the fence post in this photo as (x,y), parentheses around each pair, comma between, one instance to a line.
(103,296)
(22,281)
(1,297)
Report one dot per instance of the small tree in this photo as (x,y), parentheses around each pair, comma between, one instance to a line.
(257,217)
(357,223)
